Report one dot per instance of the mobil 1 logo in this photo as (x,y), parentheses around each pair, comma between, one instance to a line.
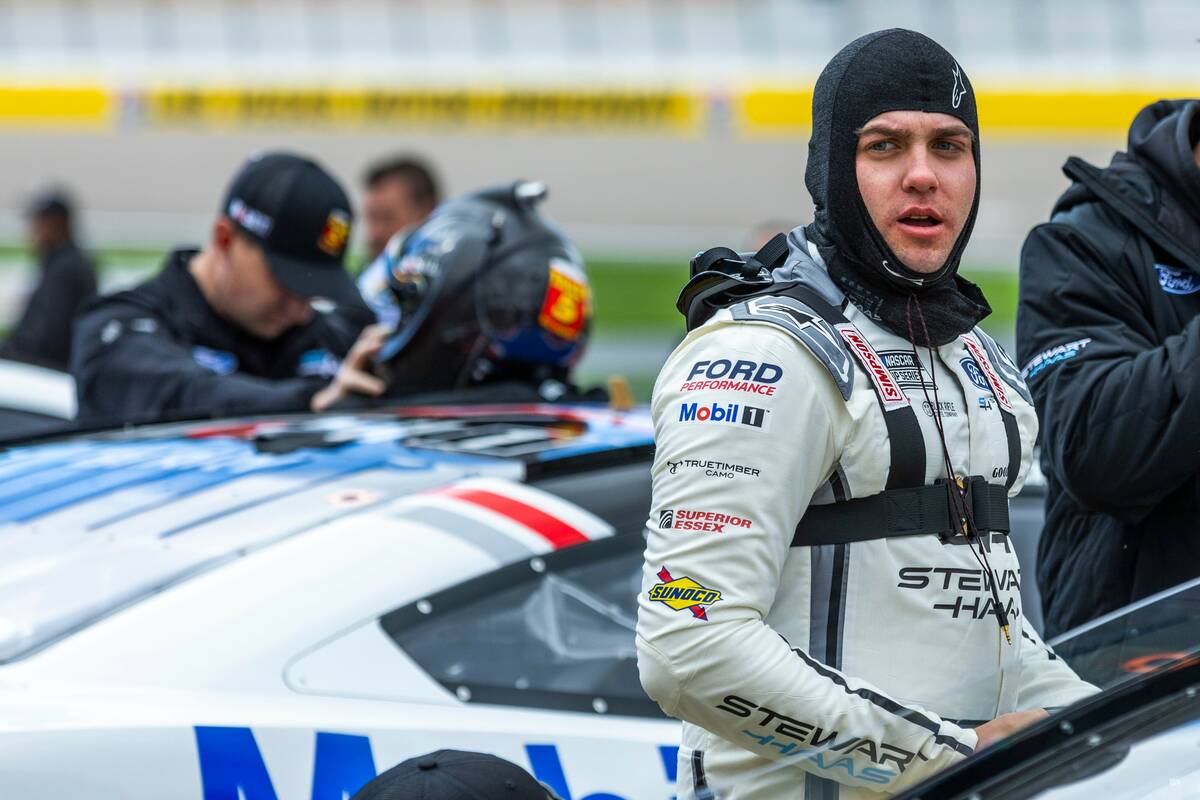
(710,413)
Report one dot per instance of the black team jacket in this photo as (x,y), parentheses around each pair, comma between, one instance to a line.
(43,334)
(159,351)
(1108,338)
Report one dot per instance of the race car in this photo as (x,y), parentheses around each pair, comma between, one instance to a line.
(281,608)
(34,399)
(1136,739)
(278,608)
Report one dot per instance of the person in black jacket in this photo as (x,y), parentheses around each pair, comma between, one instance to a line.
(1108,333)
(67,281)
(263,319)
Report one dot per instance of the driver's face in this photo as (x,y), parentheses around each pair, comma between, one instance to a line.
(916,175)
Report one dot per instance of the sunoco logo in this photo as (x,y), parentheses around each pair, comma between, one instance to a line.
(683,594)
(728,413)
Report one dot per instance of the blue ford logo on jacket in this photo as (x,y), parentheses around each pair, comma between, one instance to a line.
(221,362)
(1174,280)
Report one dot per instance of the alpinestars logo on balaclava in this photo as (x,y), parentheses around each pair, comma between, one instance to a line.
(891,70)
(960,88)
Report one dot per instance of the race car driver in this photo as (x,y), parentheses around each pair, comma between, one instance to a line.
(486,301)
(829,615)
(233,328)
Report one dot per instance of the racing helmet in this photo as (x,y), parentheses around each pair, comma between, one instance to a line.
(487,289)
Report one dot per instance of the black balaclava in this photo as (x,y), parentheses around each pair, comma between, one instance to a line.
(891,70)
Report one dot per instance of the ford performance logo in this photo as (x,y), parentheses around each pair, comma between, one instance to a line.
(1174,280)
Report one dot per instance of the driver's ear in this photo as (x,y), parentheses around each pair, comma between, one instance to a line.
(223,233)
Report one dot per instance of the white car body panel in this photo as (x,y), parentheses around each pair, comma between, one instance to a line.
(37,390)
(225,642)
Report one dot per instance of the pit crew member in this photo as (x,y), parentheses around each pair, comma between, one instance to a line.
(234,328)
(1108,333)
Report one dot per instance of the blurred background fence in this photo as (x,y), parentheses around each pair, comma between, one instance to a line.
(661,126)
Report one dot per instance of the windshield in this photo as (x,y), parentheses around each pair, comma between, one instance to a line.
(1137,639)
(1139,738)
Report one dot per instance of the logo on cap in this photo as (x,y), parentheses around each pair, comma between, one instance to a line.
(959,89)
(249,218)
(336,233)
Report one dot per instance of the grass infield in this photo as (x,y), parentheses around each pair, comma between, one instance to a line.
(641,296)
(630,297)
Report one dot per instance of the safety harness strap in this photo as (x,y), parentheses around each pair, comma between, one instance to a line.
(903,512)
(904,431)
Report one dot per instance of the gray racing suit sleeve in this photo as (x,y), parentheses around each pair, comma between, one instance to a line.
(715,554)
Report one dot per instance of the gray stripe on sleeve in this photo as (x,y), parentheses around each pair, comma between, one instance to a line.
(818,600)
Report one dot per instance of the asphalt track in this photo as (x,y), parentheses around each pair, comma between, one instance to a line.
(661,196)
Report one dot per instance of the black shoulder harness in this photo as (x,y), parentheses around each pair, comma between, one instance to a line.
(721,278)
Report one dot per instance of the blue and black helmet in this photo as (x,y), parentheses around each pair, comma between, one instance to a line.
(486,289)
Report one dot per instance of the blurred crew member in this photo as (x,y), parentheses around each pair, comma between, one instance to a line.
(454,775)
(232,328)
(1108,331)
(487,299)
(67,281)
(829,615)
(399,193)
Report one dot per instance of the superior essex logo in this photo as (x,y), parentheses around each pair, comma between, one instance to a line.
(683,594)
(706,521)
(724,413)
(733,376)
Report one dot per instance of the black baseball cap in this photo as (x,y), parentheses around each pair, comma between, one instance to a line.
(301,218)
(455,775)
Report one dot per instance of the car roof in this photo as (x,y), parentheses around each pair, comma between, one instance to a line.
(91,523)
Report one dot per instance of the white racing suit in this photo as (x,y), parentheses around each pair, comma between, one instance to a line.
(829,670)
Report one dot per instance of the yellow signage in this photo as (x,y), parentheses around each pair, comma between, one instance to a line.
(1017,111)
(56,106)
(514,108)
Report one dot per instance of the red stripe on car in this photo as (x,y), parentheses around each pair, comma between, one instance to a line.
(552,529)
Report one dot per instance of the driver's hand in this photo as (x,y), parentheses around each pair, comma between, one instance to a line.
(354,375)
(1006,725)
